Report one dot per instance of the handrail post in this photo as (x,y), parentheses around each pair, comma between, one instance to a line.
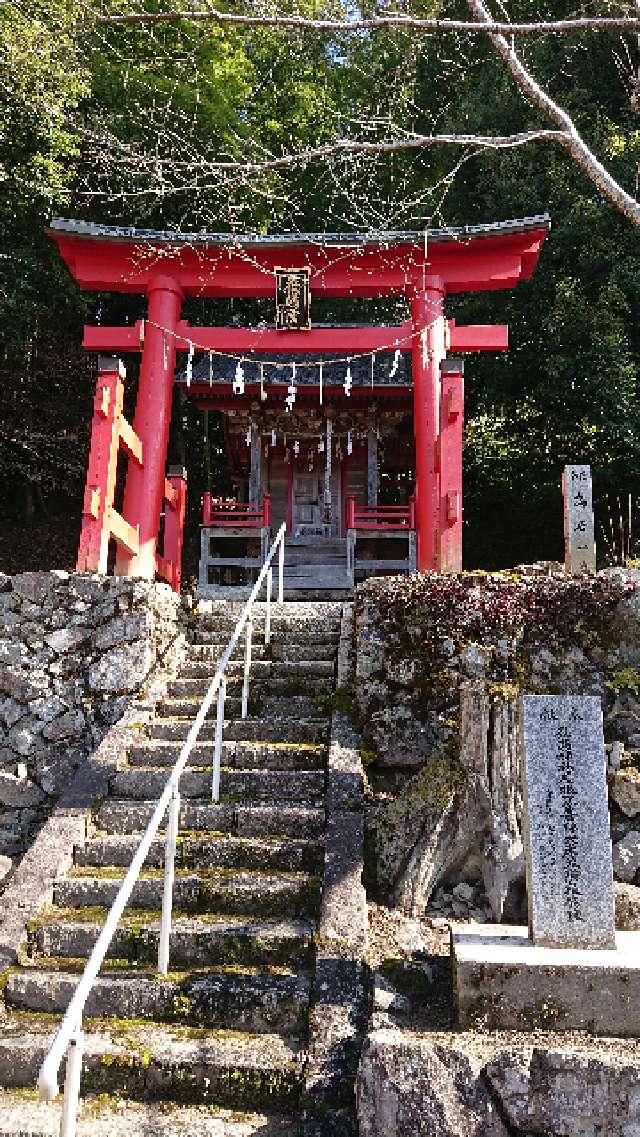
(247,667)
(167,892)
(267,615)
(72,1078)
(217,750)
(281,571)
(351,511)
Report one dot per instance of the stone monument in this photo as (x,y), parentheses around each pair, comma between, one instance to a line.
(570,970)
(579,525)
(567,841)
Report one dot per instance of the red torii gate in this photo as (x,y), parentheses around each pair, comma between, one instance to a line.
(424,267)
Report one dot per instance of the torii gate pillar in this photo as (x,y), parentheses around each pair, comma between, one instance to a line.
(145,484)
(427,352)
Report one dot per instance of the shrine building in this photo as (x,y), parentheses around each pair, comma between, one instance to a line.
(350,435)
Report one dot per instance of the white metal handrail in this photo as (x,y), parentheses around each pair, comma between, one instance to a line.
(69,1036)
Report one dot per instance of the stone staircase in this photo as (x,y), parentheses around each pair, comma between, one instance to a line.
(216,1047)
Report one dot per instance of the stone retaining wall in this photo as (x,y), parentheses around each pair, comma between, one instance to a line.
(74,647)
(419,644)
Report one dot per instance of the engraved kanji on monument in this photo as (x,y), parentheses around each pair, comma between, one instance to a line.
(579,525)
(566,822)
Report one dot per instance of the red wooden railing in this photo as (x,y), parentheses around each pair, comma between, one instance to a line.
(235,514)
(380,516)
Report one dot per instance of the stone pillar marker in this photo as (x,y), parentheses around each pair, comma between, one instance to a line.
(570,969)
(566,823)
(579,525)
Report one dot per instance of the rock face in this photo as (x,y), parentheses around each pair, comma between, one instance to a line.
(412,1085)
(567,1094)
(625,791)
(437,816)
(73,648)
(408,1085)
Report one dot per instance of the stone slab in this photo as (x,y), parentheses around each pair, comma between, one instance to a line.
(579,523)
(566,822)
(504,982)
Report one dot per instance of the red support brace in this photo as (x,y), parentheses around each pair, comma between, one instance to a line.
(428,351)
(101,472)
(450,454)
(169,565)
(145,484)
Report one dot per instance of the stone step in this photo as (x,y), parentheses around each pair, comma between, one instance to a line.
(237,820)
(277,650)
(142,783)
(308,632)
(261,669)
(296,684)
(299,589)
(235,755)
(206,851)
(306,730)
(270,706)
(194,942)
(164,1064)
(214,890)
(22,1115)
(259,1003)
(188,707)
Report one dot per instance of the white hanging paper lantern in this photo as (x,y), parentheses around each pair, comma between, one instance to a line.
(321,446)
(273,437)
(190,365)
(238,382)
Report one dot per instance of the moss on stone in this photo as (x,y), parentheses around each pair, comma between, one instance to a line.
(624,679)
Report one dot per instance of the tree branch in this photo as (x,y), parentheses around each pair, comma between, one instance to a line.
(570,138)
(375,23)
(346,146)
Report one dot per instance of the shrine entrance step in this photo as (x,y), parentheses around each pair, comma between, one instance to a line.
(317,565)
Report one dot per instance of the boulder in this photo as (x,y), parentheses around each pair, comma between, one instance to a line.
(69,725)
(568,1093)
(66,639)
(409,1084)
(626,857)
(122,669)
(627,897)
(19,792)
(625,790)
(33,586)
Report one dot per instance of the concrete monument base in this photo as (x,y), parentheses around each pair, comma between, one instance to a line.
(503,981)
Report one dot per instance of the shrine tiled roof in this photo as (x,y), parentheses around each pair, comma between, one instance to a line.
(384,369)
(90,229)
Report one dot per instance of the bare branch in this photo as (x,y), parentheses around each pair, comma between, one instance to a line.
(570,138)
(375,23)
(354,146)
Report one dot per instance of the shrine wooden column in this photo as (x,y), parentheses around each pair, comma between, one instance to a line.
(145,484)
(427,352)
(450,465)
(373,475)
